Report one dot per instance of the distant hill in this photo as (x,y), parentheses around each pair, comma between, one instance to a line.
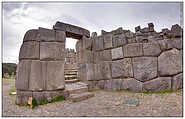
(8,68)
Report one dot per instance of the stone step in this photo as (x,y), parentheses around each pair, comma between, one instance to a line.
(80,97)
(71,81)
(76,88)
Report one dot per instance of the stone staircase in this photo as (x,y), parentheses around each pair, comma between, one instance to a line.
(78,91)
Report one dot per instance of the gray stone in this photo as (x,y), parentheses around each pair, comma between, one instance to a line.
(133,50)
(49,95)
(60,36)
(177,81)
(131,40)
(90,72)
(46,34)
(158,84)
(23,75)
(87,43)
(101,84)
(93,35)
(151,27)
(176,30)
(151,49)
(174,43)
(52,51)
(87,56)
(131,84)
(108,85)
(36,82)
(107,41)
(117,53)
(54,75)
(98,56)
(145,68)
(102,71)
(119,40)
(138,28)
(117,31)
(142,39)
(116,84)
(39,96)
(106,55)
(31,35)
(145,30)
(98,43)
(29,50)
(170,63)
(122,68)
(23,96)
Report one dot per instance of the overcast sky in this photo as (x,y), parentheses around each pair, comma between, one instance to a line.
(20,17)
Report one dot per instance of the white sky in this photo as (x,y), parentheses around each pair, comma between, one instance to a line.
(20,17)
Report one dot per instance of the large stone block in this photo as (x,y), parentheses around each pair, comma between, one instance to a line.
(133,50)
(46,34)
(116,84)
(176,30)
(177,81)
(98,43)
(36,80)
(90,72)
(23,97)
(54,74)
(49,95)
(87,43)
(29,50)
(23,75)
(119,40)
(170,63)
(145,68)
(60,36)
(151,49)
(52,51)
(108,85)
(107,41)
(102,71)
(31,35)
(158,84)
(167,44)
(87,56)
(117,53)
(122,68)
(131,84)
(106,55)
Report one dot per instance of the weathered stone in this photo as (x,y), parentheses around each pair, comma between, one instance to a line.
(23,75)
(131,40)
(142,39)
(31,35)
(151,49)
(101,84)
(117,31)
(98,56)
(133,50)
(174,43)
(158,84)
(102,71)
(39,96)
(151,27)
(119,40)
(117,53)
(177,81)
(176,30)
(90,72)
(138,28)
(49,95)
(106,55)
(131,84)
(60,36)
(54,75)
(36,81)
(145,68)
(87,56)
(52,51)
(170,63)
(107,41)
(29,50)
(87,43)
(46,35)
(116,84)
(93,35)
(107,85)
(122,68)
(145,30)
(98,43)
(22,97)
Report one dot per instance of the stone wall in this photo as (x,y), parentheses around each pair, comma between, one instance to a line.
(142,61)
(40,72)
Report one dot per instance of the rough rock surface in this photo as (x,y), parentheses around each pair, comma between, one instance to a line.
(158,84)
(151,49)
(133,50)
(177,81)
(170,63)
(131,84)
(107,41)
(117,53)
(145,68)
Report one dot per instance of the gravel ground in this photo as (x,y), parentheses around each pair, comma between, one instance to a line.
(103,104)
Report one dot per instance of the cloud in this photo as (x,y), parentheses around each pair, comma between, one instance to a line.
(20,17)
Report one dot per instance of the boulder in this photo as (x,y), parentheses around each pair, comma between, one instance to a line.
(52,51)
(122,68)
(29,50)
(117,53)
(177,81)
(107,41)
(145,68)
(176,30)
(133,50)
(170,63)
(151,49)
(131,84)
(23,75)
(158,84)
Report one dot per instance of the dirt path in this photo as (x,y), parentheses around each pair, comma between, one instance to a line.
(103,104)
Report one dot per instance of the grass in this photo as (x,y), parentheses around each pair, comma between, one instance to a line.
(7,81)
(35,103)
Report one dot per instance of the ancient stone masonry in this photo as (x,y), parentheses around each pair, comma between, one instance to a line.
(142,61)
